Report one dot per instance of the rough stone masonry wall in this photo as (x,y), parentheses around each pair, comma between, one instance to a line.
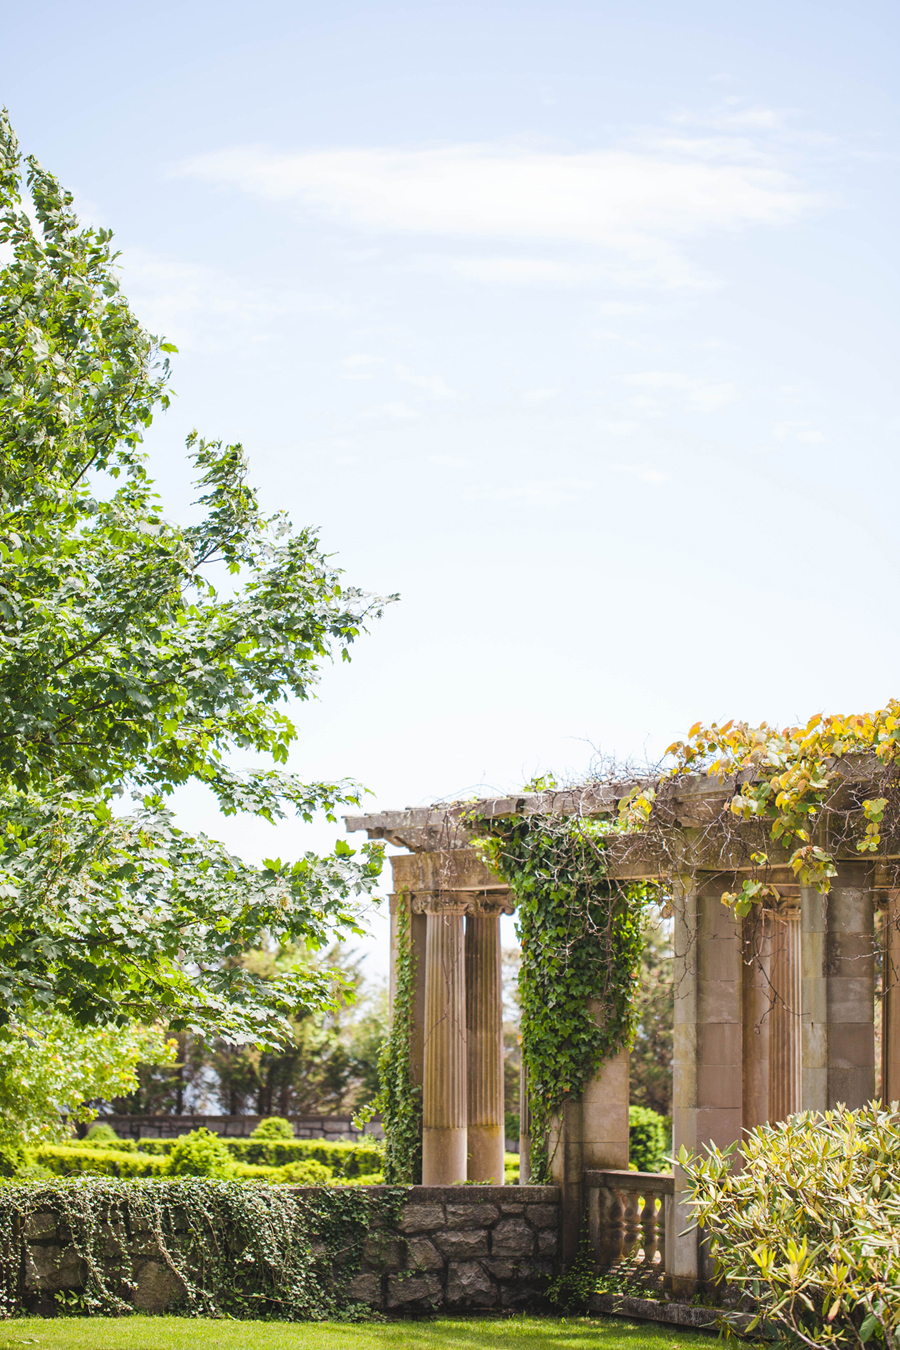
(453,1247)
(459,1247)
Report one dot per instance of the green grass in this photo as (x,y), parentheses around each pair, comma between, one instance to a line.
(184,1333)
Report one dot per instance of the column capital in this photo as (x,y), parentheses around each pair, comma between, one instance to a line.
(462,902)
(439,902)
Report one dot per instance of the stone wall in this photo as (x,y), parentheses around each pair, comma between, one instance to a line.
(330,1128)
(459,1247)
(452,1247)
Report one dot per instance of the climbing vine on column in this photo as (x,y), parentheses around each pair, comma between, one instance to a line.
(581,943)
(400,1100)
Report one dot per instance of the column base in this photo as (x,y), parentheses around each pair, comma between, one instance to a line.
(487,1149)
(443,1155)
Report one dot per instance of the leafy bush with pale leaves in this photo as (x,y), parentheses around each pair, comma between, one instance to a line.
(273,1127)
(810,1225)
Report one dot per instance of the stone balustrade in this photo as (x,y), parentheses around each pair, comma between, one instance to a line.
(627,1214)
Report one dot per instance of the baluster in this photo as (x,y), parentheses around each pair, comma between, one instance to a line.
(649,1224)
(632,1231)
(615,1226)
(664,1202)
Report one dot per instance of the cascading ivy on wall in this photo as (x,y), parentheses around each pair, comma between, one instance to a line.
(581,939)
(400,1100)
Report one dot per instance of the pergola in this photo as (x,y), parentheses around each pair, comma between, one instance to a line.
(774,1013)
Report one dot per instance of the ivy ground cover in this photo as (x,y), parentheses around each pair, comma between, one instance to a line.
(189,1333)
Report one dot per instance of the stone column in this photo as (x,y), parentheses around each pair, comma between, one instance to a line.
(418,923)
(444,1108)
(590,1132)
(838,990)
(757,1018)
(708,1059)
(785,1035)
(890,1005)
(484,1032)
(524,1126)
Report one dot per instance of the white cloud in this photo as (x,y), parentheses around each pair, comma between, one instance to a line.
(534,396)
(395,412)
(533,492)
(640,204)
(652,477)
(797,431)
(618,426)
(699,394)
(358,367)
(434,385)
(450,461)
(614,309)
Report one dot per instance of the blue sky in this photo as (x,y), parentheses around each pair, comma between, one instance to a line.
(575,325)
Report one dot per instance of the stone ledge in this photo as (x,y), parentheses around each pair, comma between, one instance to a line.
(673,1314)
(470,1195)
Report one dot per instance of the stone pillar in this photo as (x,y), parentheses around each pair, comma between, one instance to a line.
(708,1058)
(590,1132)
(484,1033)
(524,1126)
(784,1038)
(890,1005)
(418,923)
(838,990)
(757,1018)
(444,1108)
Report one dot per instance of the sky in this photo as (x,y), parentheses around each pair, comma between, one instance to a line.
(573,325)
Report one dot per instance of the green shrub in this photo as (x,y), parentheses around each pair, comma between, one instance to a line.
(810,1225)
(306,1173)
(101,1133)
(649,1140)
(69,1160)
(238,1171)
(273,1127)
(199,1154)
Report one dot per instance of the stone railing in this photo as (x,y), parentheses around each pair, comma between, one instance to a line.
(627,1214)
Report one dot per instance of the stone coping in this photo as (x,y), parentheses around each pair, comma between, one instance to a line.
(478,1195)
(671,1314)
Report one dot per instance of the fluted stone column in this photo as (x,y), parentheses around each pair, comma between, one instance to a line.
(757,1014)
(785,1094)
(890,1009)
(708,1052)
(484,1031)
(444,1108)
(417,936)
(838,990)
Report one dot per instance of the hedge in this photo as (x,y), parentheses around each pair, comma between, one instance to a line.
(344,1158)
(66,1160)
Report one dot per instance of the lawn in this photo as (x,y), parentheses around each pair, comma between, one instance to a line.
(183,1333)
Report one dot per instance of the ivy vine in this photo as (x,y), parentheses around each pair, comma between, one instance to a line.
(400,1100)
(241,1251)
(581,940)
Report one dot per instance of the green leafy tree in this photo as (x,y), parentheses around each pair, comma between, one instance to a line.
(52,1070)
(124,670)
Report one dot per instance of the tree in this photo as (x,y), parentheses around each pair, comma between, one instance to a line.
(52,1070)
(123,669)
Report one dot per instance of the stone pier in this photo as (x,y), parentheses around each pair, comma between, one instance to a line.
(838,991)
(444,1100)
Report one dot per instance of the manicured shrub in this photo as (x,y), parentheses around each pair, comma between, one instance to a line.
(649,1140)
(345,1159)
(101,1133)
(306,1173)
(199,1154)
(273,1127)
(810,1225)
(68,1160)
